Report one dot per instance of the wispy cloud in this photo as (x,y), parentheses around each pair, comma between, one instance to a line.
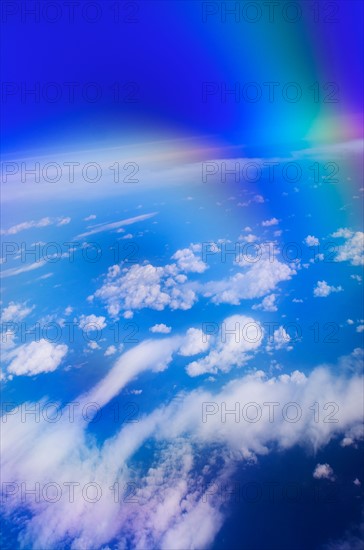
(115,225)
(44,222)
(18,270)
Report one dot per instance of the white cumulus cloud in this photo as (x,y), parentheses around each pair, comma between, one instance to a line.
(324,471)
(268,303)
(35,358)
(269,223)
(238,337)
(353,248)
(92,322)
(194,342)
(162,328)
(322,289)
(310,240)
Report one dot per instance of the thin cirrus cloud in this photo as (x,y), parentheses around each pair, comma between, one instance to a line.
(19,270)
(44,222)
(115,225)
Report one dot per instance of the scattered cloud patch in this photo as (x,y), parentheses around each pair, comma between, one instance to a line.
(187,261)
(324,471)
(15,312)
(254,281)
(35,358)
(322,289)
(161,328)
(110,350)
(63,221)
(238,338)
(310,240)
(44,222)
(279,340)
(269,223)
(92,322)
(353,248)
(268,303)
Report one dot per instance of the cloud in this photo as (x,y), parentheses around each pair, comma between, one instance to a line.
(63,221)
(279,340)
(320,385)
(35,358)
(110,350)
(44,222)
(14,229)
(187,260)
(250,238)
(162,328)
(92,322)
(342,233)
(195,342)
(324,471)
(353,248)
(93,346)
(24,269)
(147,286)
(268,303)
(256,280)
(352,539)
(269,223)
(45,276)
(15,312)
(256,198)
(238,335)
(128,314)
(154,355)
(322,290)
(115,225)
(310,240)
(173,506)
